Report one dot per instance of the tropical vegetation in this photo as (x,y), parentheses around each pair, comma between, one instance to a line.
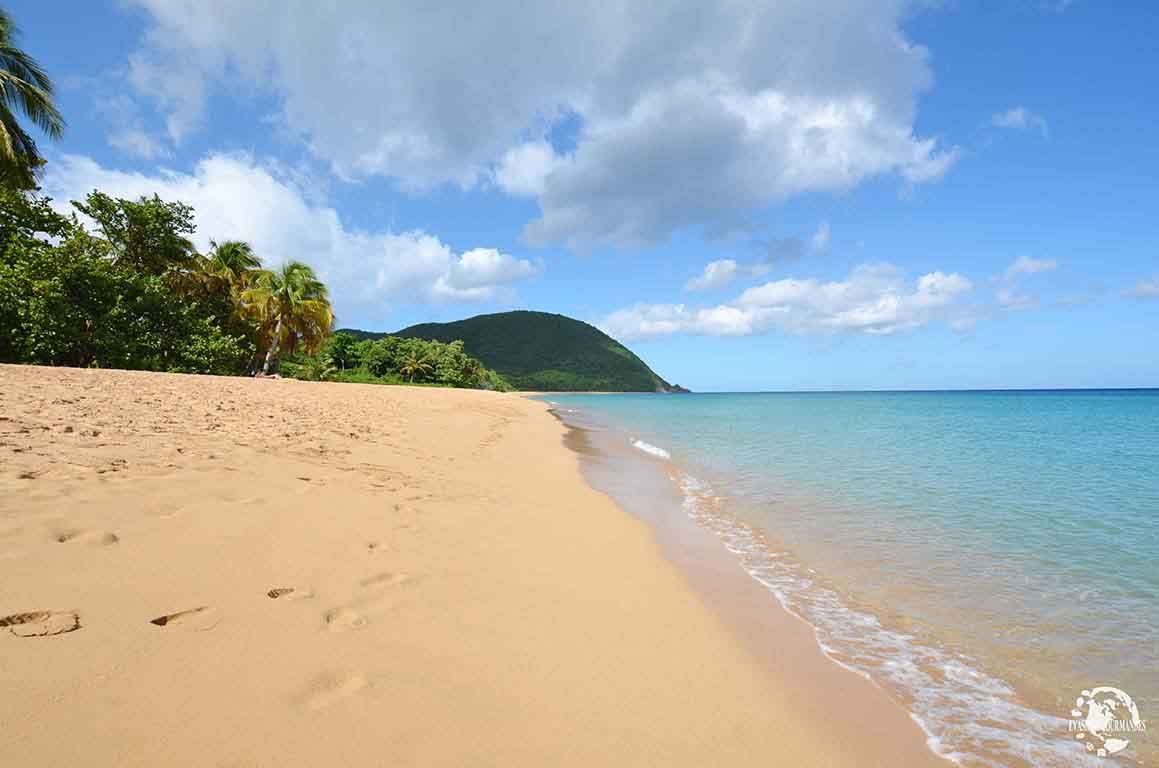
(119,284)
(394,360)
(129,290)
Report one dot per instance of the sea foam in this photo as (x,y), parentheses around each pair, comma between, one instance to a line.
(650,449)
(968,716)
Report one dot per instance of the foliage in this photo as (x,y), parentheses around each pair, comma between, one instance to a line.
(69,304)
(540,351)
(310,368)
(25,87)
(147,235)
(394,360)
(290,305)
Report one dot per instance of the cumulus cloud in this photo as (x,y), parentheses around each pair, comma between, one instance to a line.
(236,197)
(477,273)
(524,169)
(875,299)
(1021,119)
(717,274)
(687,113)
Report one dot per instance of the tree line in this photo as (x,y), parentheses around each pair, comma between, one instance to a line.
(395,360)
(131,291)
(118,283)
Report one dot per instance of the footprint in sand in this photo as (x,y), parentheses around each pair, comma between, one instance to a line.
(198,619)
(163,511)
(386,579)
(100,538)
(289,593)
(343,619)
(41,623)
(331,689)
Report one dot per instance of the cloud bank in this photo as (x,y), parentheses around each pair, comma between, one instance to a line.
(875,299)
(687,113)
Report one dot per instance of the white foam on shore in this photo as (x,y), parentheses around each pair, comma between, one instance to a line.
(968,716)
(651,449)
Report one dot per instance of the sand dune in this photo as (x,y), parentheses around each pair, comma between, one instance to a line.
(212,571)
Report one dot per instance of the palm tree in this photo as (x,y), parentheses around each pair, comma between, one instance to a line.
(24,86)
(234,262)
(291,306)
(413,366)
(228,269)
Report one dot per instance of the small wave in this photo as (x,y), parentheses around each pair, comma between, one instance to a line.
(967,716)
(649,448)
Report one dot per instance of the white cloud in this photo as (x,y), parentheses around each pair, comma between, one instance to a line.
(235,197)
(717,274)
(1013,300)
(478,272)
(1008,295)
(136,142)
(1020,118)
(1024,265)
(1145,289)
(524,169)
(874,300)
(684,113)
(127,127)
(178,82)
(723,272)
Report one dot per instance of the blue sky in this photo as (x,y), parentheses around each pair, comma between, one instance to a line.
(854,194)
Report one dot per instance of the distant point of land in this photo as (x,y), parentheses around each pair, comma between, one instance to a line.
(539,351)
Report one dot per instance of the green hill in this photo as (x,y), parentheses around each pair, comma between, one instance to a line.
(541,351)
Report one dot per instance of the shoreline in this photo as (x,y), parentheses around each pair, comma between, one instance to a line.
(311,573)
(784,643)
(940,689)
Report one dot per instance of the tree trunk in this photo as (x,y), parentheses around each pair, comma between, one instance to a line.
(273,346)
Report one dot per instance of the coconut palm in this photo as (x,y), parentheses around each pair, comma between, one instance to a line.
(415,366)
(291,307)
(24,87)
(233,262)
(229,268)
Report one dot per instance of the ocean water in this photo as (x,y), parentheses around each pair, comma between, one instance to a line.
(983,556)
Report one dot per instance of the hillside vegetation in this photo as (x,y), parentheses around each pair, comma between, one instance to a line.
(393,360)
(542,351)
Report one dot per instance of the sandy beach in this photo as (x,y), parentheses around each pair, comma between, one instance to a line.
(237,572)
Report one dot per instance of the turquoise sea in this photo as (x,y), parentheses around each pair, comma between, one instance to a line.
(983,556)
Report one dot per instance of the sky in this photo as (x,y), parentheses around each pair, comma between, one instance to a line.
(803,194)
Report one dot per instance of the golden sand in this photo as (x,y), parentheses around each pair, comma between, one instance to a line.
(203,571)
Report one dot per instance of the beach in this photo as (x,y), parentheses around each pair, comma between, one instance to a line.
(237,572)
